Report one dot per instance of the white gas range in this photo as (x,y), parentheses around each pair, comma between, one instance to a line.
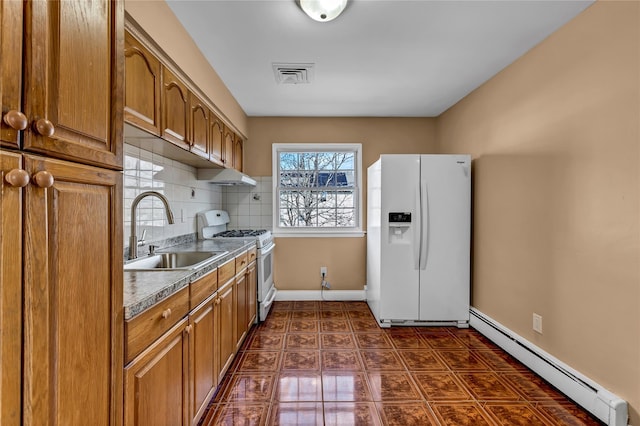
(212,224)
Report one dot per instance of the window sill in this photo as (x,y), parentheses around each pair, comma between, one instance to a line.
(326,234)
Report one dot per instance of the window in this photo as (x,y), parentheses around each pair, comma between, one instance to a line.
(317,189)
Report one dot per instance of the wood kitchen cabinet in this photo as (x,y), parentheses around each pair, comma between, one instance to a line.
(252,294)
(142,86)
(237,153)
(203,356)
(199,128)
(175,110)
(216,140)
(71,76)
(13,179)
(65,241)
(227,147)
(226,329)
(241,299)
(61,245)
(156,382)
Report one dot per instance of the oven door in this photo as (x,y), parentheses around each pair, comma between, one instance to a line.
(265,272)
(266,289)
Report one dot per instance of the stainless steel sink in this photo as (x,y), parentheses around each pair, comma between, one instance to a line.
(178,260)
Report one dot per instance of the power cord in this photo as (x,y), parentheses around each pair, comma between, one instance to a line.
(323,284)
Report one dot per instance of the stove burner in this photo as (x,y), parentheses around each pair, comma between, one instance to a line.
(239,233)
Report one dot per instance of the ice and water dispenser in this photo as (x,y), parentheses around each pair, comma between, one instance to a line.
(399,228)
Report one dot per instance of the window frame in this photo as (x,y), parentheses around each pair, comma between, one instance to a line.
(280,231)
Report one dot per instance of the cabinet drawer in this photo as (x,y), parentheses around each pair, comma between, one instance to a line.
(241,262)
(203,288)
(251,255)
(145,328)
(226,271)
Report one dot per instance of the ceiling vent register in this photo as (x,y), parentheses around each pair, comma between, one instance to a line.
(293,73)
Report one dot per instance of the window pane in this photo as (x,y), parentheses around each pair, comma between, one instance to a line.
(346,161)
(345,199)
(307,161)
(326,160)
(288,160)
(345,217)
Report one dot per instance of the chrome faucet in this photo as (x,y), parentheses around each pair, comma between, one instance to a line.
(133,239)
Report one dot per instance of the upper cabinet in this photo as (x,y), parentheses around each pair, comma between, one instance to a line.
(216,135)
(199,119)
(237,153)
(162,101)
(142,86)
(175,110)
(72,79)
(13,118)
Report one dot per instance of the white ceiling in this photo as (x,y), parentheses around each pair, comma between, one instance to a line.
(380,58)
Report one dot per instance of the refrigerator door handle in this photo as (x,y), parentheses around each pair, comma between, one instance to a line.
(417,231)
(424,224)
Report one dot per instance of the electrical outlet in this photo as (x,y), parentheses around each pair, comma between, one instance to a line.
(323,271)
(537,323)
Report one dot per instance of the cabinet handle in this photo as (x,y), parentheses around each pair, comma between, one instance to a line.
(166,313)
(43,179)
(217,302)
(44,127)
(17,177)
(188,329)
(16,120)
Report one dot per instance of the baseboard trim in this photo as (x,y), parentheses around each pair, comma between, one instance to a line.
(594,398)
(329,295)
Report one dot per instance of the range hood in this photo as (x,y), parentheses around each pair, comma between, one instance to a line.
(225,177)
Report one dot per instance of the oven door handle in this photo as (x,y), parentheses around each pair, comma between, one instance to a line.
(269,300)
(269,249)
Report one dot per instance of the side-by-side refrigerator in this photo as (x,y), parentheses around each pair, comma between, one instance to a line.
(418,239)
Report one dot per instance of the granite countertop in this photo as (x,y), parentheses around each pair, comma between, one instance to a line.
(143,289)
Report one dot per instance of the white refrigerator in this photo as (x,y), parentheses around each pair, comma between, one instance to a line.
(418,239)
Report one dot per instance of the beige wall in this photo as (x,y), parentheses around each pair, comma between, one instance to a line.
(555,140)
(158,20)
(298,260)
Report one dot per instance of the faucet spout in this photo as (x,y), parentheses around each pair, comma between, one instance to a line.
(133,239)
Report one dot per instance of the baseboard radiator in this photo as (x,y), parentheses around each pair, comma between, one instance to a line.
(591,396)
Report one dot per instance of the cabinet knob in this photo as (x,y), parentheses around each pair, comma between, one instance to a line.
(17,177)
(44,127)
(43,179)
(188,329)
(16,120)
(166,313)
(217,302)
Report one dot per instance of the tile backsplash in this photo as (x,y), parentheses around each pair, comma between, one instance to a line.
(146,171)
(248,207)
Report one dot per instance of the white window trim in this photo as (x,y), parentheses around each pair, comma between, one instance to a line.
(316,232)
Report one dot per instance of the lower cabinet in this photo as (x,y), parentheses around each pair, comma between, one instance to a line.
(176,357)
(226,329)
(156,382)
(203,356)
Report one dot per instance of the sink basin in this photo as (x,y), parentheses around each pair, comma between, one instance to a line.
(179,260)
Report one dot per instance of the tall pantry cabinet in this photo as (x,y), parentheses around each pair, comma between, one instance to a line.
(61,314)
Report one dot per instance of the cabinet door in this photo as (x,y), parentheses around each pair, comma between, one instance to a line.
(175,110)
(142,86)
(237,153)
(227,151)
(216,138)
(241,309)
(199,126)
(156,390)
(202,354)
(226,326)
(11,71)
(73,79)
(73,328)
(252,294)
(10,285)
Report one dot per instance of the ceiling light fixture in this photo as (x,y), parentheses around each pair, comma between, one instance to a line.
(322,10)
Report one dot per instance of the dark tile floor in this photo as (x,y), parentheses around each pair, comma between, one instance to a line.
(315,363)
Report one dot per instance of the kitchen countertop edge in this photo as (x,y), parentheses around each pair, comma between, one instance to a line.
(143,289)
